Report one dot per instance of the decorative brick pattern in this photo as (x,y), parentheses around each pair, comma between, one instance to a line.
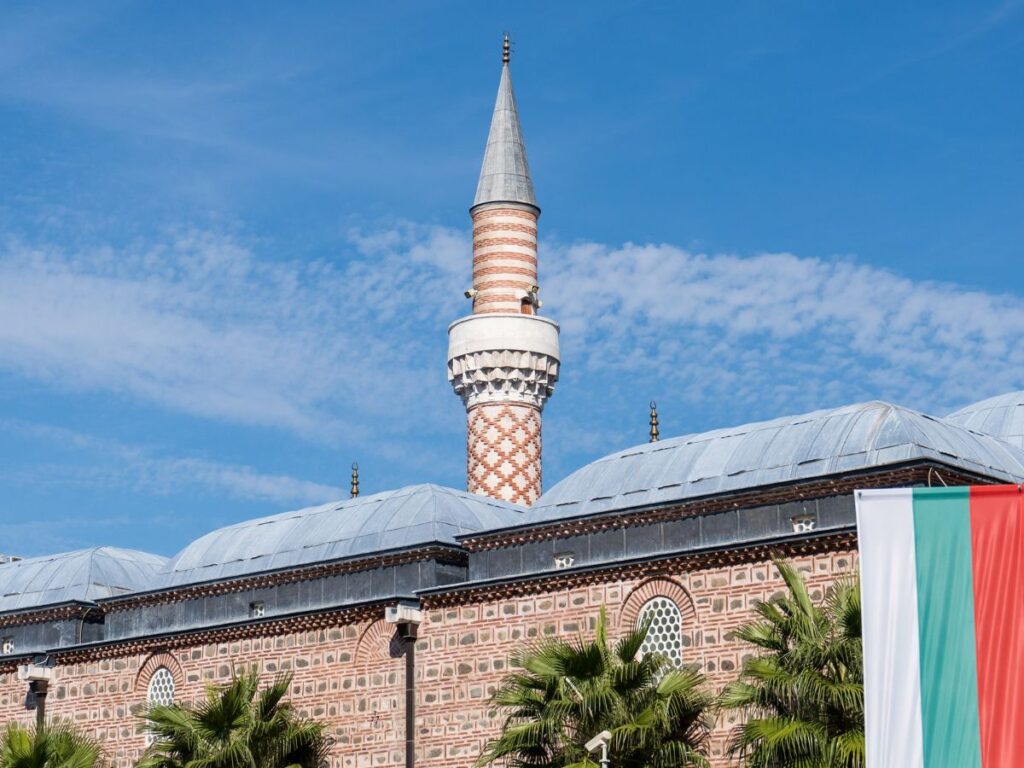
(504,258)
(503,450)
(503,384)
(152,664)
(376,642)
(659,587)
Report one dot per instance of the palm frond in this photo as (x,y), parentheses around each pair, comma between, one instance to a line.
(802,696)
(237,725)
(564,691)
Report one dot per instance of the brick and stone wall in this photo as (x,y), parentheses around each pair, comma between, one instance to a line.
(349,676)
(464,649)
(352,675)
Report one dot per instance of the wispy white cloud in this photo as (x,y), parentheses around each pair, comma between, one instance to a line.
(791,330)
(353,349)
(113,464)
(200,325)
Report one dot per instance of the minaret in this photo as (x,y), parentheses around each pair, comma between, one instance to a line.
(503,358)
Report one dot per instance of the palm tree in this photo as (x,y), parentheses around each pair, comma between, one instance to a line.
(236,726)
(565,692)
(802,694)
(55,745)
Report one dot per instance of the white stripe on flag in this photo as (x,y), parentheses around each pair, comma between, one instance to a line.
(892,678)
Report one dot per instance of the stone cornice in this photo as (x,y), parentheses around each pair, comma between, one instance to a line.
(255,629)
(503,377)
(778,494)
(51,613)
(524,586)
(441,553)
(308,573)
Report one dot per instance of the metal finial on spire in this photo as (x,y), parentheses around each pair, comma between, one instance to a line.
(354,490)
(506,50)
(654,422)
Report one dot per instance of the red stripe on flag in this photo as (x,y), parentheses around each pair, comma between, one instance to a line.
(997,553)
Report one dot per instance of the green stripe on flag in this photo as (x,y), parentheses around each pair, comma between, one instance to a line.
(945,604)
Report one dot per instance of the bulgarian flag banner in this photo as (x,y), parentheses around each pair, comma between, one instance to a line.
(942,591)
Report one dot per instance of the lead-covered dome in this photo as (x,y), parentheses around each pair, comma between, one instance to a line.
(83,576)
(792,448)
(1002,416)
(384,522)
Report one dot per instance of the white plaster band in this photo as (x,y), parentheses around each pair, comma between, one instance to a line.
(488,250)
(503,332)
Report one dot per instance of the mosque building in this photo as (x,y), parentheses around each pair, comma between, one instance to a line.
(397,612)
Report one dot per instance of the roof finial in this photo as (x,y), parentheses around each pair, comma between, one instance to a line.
(354,490)
(506,50)
(654,422)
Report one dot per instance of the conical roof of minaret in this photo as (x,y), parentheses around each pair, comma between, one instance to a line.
(505,174)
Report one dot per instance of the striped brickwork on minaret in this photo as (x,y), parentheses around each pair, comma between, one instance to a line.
(504,257)
(503,359)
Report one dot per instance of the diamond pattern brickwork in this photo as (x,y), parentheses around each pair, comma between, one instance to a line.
(503,444)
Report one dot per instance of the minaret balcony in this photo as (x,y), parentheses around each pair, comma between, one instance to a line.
(503,358)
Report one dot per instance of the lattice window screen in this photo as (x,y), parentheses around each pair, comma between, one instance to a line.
(666,633)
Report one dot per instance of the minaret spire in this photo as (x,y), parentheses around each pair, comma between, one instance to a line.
(505,173)
(503,359)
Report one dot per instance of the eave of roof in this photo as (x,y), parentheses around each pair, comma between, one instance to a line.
(789,449)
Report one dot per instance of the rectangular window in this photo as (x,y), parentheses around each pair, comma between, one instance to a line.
(257,609)
(7,645)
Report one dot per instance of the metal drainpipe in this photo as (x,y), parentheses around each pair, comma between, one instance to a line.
(410,694)
(40,688)
(406,619)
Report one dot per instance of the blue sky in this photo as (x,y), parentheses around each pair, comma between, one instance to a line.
(232,235)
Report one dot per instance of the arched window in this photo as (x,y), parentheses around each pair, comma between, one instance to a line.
(161,687)
(159,691)
(665,635)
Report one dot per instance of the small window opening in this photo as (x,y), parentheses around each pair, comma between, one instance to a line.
(257,609)
(565,559)
(7,645)
(803,523)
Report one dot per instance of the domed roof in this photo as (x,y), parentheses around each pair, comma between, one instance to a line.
(854,437)
(85,575)
(1002,416)
(388,521)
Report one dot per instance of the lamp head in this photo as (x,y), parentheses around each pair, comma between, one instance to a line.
(598,741)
